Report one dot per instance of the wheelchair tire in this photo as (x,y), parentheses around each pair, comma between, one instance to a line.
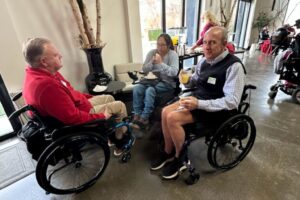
(72,163)
(296,95)
(231,142)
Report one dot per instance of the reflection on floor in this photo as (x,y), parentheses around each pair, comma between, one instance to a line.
(271,170)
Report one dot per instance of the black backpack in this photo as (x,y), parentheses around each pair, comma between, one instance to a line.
(33,134)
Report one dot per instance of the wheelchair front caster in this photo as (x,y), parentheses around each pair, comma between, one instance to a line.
(274,88)
(296,95)
(126,157)
(272,94)
(192,179)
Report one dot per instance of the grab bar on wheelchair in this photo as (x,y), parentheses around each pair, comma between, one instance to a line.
(17,96)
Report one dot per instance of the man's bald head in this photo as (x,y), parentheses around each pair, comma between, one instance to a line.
(218,31)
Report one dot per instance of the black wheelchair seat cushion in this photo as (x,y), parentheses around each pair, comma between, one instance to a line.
(212,117)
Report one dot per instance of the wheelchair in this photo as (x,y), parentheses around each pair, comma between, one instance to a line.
(229,141)
(70,159)
(287,65)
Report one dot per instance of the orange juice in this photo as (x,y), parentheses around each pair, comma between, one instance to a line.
(185,77)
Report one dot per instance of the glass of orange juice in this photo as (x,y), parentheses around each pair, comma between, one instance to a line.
(185,77)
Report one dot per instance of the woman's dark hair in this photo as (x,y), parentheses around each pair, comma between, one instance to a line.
(167,39)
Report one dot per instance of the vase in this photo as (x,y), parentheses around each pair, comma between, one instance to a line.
(97,75)
(94,58)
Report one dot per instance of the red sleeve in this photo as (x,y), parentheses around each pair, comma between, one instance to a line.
(205,28)
(58,104)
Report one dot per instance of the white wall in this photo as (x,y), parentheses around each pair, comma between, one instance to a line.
(21,19)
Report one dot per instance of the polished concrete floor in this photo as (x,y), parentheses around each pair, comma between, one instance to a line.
(270,172)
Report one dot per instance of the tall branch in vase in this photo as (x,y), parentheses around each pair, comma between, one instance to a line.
(91,44)
(86,31)
(225,19)
(98,33)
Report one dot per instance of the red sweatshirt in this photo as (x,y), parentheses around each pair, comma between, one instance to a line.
(54,96)
(205,29)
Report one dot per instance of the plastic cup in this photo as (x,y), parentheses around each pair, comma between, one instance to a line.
(185,77)
(180,107)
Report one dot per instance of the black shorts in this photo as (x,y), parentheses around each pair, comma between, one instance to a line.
(212,118)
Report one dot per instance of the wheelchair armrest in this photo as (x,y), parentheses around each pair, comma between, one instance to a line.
(17,113)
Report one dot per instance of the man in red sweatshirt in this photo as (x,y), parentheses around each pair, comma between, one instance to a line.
(52,95)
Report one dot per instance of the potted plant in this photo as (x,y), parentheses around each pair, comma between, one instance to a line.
(262,20)
(91,45)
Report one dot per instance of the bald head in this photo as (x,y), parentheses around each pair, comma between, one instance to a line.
(214,42)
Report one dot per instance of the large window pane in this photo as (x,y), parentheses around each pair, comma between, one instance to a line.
(241,23)
(191,22)
(173,13)
(151,20)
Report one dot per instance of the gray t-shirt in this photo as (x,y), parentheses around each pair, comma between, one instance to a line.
(167,70)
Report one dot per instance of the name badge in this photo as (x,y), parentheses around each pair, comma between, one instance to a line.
(211,80)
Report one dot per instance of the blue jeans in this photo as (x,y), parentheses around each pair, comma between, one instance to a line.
(144,98)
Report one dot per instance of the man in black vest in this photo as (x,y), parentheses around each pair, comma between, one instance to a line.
(219,81)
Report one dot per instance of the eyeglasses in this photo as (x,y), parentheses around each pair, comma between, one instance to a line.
(161,45)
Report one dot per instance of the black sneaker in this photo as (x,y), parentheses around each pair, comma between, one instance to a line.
(161,160)
(173,168)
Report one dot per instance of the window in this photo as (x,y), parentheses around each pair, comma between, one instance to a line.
(241,23)
(151,17)
(159,16)
(173,13)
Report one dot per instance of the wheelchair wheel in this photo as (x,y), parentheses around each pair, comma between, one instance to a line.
(232,142)
(72,163)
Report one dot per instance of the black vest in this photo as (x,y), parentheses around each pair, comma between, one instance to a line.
(211,78)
